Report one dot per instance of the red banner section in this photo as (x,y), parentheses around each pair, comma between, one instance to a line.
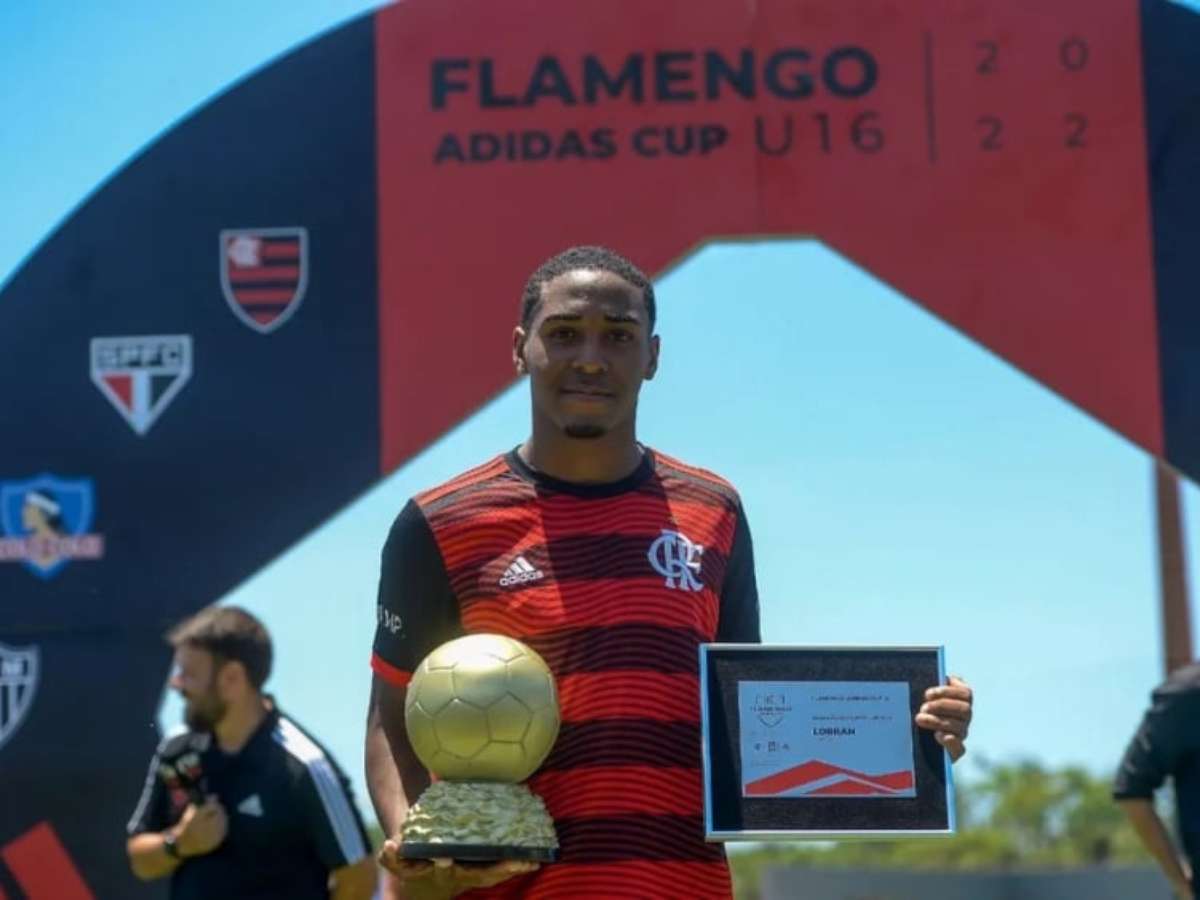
(43,868)
(986,159)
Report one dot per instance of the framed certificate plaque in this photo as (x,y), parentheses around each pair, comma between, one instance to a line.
(819,743)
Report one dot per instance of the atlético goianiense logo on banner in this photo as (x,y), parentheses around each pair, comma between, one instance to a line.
(264,273)
(140,376)
(46,523)
(18,684)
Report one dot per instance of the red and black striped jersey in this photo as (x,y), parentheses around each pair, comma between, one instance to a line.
(615,585)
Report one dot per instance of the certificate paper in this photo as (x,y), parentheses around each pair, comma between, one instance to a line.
(826,739)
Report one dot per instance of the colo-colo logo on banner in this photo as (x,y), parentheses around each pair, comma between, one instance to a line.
(141,375)
(46,523)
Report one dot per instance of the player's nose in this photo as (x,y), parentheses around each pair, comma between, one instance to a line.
(590,357)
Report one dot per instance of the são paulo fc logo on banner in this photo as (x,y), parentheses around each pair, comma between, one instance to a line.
(264,274)
(140,376)
(18,684)
(46,523)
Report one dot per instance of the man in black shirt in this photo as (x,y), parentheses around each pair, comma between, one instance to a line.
(1167,743)
(245,805)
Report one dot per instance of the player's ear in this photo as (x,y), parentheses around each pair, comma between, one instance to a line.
(518,350)
(652,365)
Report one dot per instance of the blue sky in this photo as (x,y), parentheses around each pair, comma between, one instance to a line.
(903,484)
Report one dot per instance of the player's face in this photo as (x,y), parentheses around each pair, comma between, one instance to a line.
(587,351)
(195,678)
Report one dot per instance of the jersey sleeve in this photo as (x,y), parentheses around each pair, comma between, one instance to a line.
(152,812)
(417,609)
(1168,732)
(738,622)
(329,813)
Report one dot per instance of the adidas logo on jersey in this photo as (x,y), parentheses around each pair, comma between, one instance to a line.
(520,572)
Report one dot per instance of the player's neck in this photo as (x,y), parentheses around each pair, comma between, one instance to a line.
(240,721)
(599,460)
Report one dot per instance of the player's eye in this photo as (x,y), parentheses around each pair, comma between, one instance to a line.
(620,336)
(562,335)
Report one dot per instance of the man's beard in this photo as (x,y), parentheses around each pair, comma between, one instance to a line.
(203,713)
(583,432)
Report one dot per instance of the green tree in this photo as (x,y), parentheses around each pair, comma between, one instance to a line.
(1018,814)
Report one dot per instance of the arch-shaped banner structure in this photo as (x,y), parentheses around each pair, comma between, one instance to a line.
(237,334)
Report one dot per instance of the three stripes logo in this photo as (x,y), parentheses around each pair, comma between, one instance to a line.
(264,274)
(520,572)
(141,376)
(251,806)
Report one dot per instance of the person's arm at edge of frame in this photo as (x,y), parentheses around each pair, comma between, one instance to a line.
(395,777)
(390,791)
(1151,756)
(1153,833)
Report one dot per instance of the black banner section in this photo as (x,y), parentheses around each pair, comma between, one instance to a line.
(1170,38)
(231,407)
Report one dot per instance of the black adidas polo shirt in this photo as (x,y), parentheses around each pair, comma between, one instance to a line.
(292,818)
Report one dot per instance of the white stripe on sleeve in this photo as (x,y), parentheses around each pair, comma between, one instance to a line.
(147,792)
(329,788)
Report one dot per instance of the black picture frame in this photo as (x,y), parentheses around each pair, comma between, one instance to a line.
(728,816)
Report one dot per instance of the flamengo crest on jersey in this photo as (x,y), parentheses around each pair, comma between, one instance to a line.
(520,572)
(677,559)
(18,684)
(264,274)
(141,375)
(45,522)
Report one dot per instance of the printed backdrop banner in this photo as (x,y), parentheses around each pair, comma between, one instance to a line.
(241,331)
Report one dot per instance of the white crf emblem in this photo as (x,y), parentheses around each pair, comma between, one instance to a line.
(677,559)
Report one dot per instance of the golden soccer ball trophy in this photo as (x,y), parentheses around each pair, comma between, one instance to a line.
(481,713)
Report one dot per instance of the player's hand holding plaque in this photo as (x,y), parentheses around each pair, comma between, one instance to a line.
(481,714)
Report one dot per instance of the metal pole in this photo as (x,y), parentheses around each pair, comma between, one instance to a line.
(1172,571)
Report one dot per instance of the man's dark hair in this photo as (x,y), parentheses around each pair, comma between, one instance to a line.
(230,634)
(595,258)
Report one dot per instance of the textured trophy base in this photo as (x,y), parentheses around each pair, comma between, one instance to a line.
(478,852)
(478,821)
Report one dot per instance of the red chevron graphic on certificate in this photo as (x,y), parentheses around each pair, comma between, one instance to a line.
(826,739)
(817,778)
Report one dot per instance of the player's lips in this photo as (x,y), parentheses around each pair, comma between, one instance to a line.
(588,393)
(587,400)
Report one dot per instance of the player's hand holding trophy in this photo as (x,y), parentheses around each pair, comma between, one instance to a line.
(482,714)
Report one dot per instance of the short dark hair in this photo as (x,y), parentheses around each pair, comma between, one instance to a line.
(230,634)
(585,257)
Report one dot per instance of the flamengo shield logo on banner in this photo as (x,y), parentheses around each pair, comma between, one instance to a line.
(18,684)
(264,274)
(45,522)
(140,376)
